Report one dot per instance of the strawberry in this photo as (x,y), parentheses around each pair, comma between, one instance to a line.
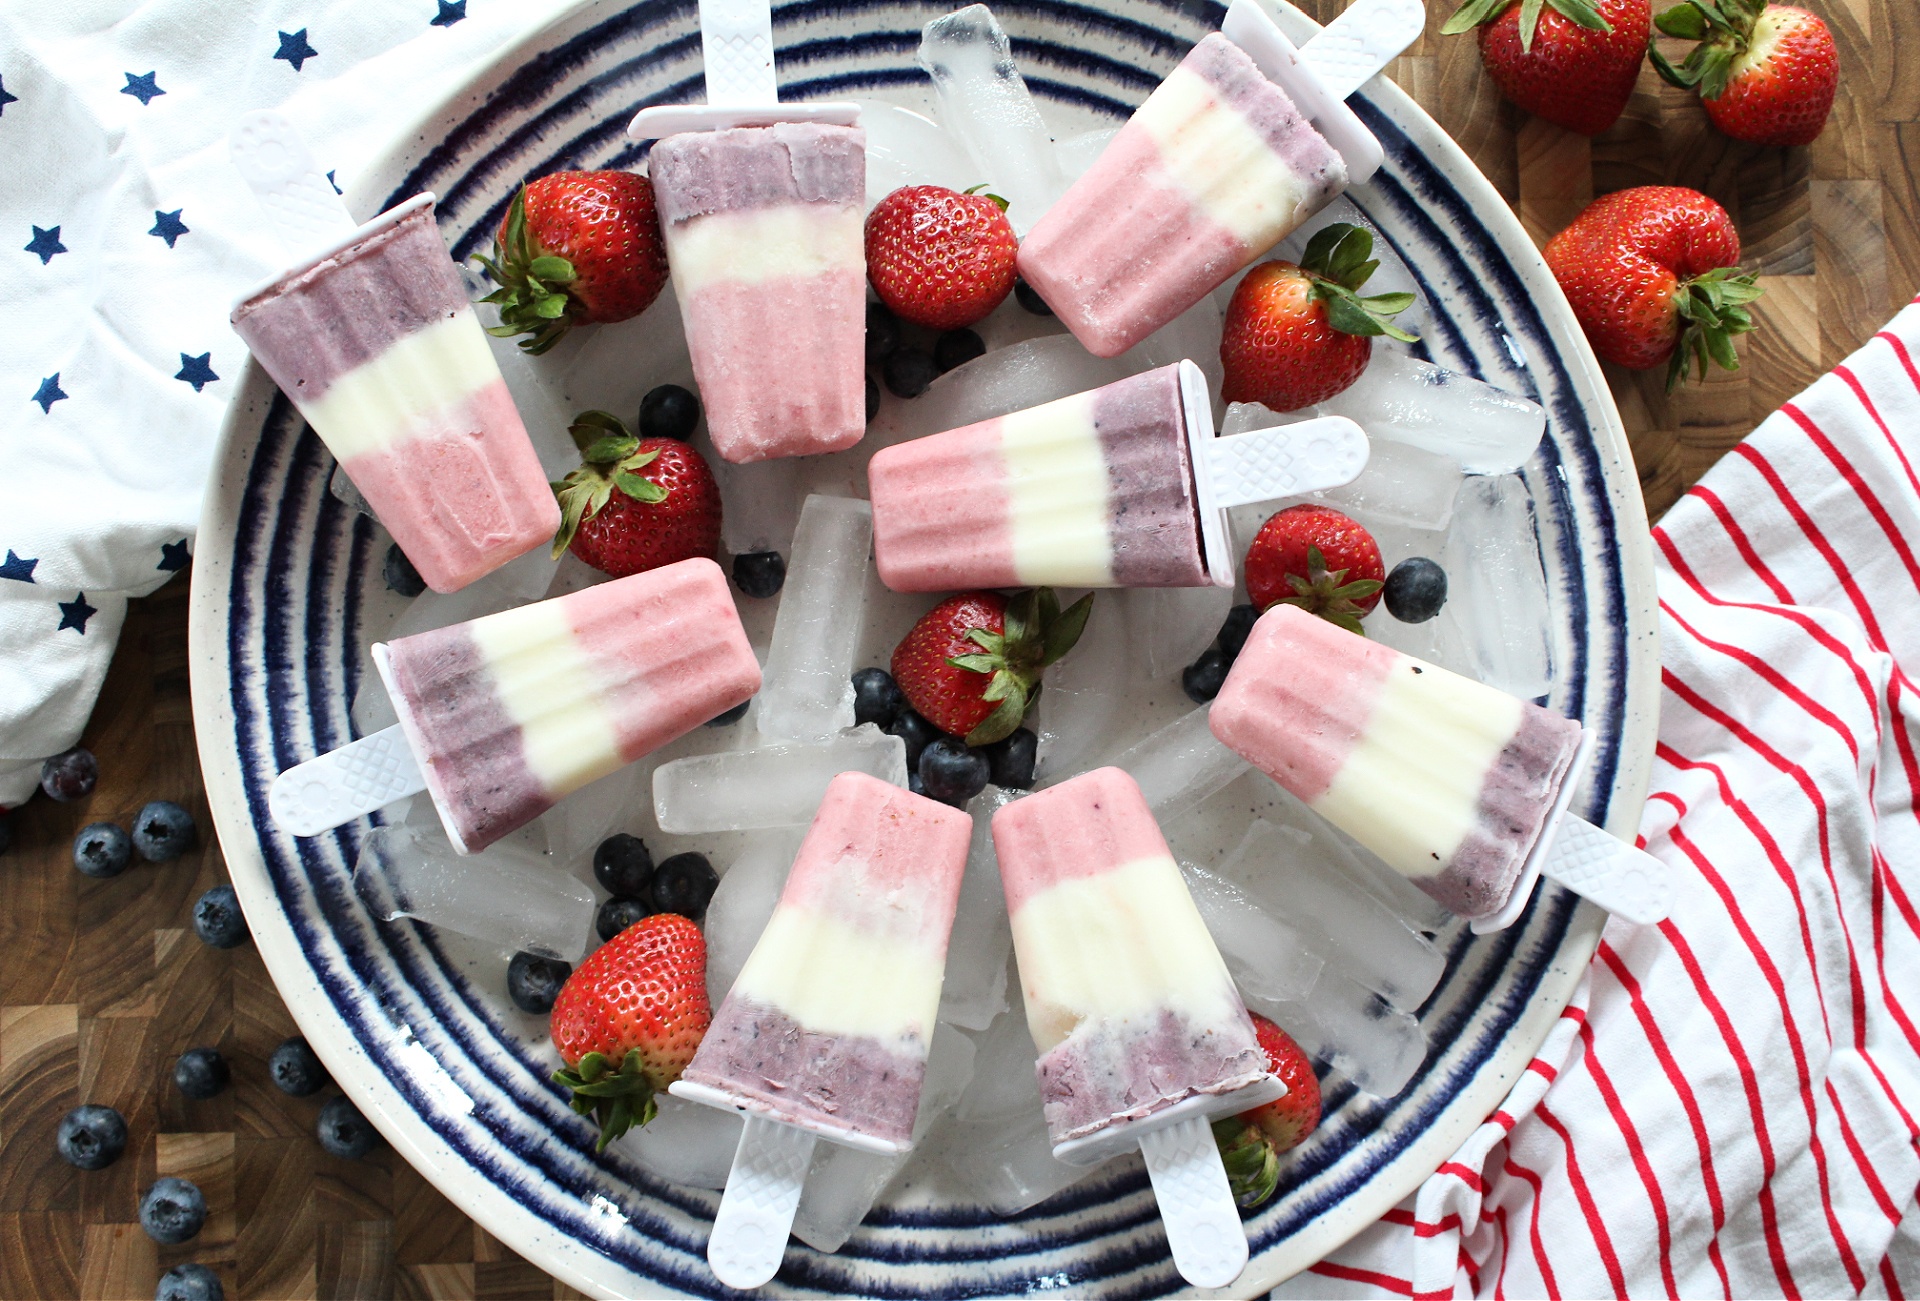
(1304,555)
(940,258)
(971,664)
(628,1019)
(621,523)
(1766,73)
(1572,62)
(1251,1142)
(1297,335)
(575,248)
(1650,274)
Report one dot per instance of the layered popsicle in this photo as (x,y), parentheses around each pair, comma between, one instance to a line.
(828,1025)
(510,713)
(377,346)
(763,227)
(1092,490)
(1214,169)
(1129,1003)
(1449,781)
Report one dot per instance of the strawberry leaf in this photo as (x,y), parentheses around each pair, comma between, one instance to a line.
(1529,22)
(556,269)
(642,490)
(590,426)
(1349,317)
(1581,13)
(1002,685)
(610,450)
(1684,21)
(1712,310)
(991,642)
(1472,14)
(1000,724)
(975,663)
(1063,631)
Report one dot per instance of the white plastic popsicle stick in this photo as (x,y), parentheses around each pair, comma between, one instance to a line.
(1196,1203)
(1362,41)
(756,1212)
(736,42)
(1626,881)
(270,156)
(345,784)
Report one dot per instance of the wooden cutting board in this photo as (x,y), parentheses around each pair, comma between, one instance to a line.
(102,983)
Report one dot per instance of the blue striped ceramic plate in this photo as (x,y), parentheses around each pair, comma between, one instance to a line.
(284,573)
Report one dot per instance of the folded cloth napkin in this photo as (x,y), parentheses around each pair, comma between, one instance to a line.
(131,236)
(1730,1105)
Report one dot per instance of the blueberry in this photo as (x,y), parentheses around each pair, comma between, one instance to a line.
(6,832)
(914,784)
(669,412)
(190,1282)
(683,884)
(952,772)
(731,717)
(760,574)
(102,849)
(533,982)
(70,776)
(623,866)
(1415,590)
(344,1132)
(616,914)
(172,1211)
(295,1070)
(162,831)
(916,731)
(876,698)
(1203,678)
(91,1137)
(217,919)
(908,372)
(1030,299)
(883,332)
(957,348)
(1234,632)
(1010,760)
(873,399)
(201,1073)
(400,574)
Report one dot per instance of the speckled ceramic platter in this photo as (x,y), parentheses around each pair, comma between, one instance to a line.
(285,573)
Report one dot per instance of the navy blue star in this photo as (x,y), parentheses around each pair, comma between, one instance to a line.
(451,12)
(173,555)
(46,243)
(75,613)
(142,88)
(20,570)
(49,392)
(294,48)
(5,99)
(335,184)
(168,226)
(197,371)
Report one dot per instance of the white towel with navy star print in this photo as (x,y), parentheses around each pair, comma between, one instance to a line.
(125,237)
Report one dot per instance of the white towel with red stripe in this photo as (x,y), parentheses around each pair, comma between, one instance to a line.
(1729,1106)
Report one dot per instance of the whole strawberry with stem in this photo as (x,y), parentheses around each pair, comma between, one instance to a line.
(628,1019)
(940,258)
(1297,335)
(1652,277)
(1766,73)
(971,664)
(1251,1142)
(635,503)
(1318,559)
(575,248)
(1572,62)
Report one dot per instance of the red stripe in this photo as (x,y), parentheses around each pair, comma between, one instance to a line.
(1683,1090)
(1859,390)
(1861,1159)
(1879,910)
(1506,1122)
(1544,1071)
(1471,1178)
(1861,489)
(1773,677)
(1629,1133)
(1738,536)
(1602,1241)
(1533,1227)
(1385,1282)
(1890,1279)
(1506,1254)
(1746,452)
(1448,1224)
(1402,1218)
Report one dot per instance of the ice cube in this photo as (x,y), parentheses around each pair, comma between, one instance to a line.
(1194,336)
(1268,958)
(1403,399)
(431,609)
(806,692)
(505,895)
(1415,908)
(1012,378)
(996,1143)
(572,575)
(576,825)
(527,577)
(742,904)
(1296,876)
(844,1182)
(619,363)
(544,408)
(1082,696)
(1180,765)
(1168,627)
(907,148)
(759,504)
(1496,590)
(348,493)
(975,990)
(771,785)
(372,710)
(984,104)
(686,1143)
(1078,153)
(1352,1029)
(1409,485)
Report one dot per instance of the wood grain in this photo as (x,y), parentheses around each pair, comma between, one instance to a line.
(102,983)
